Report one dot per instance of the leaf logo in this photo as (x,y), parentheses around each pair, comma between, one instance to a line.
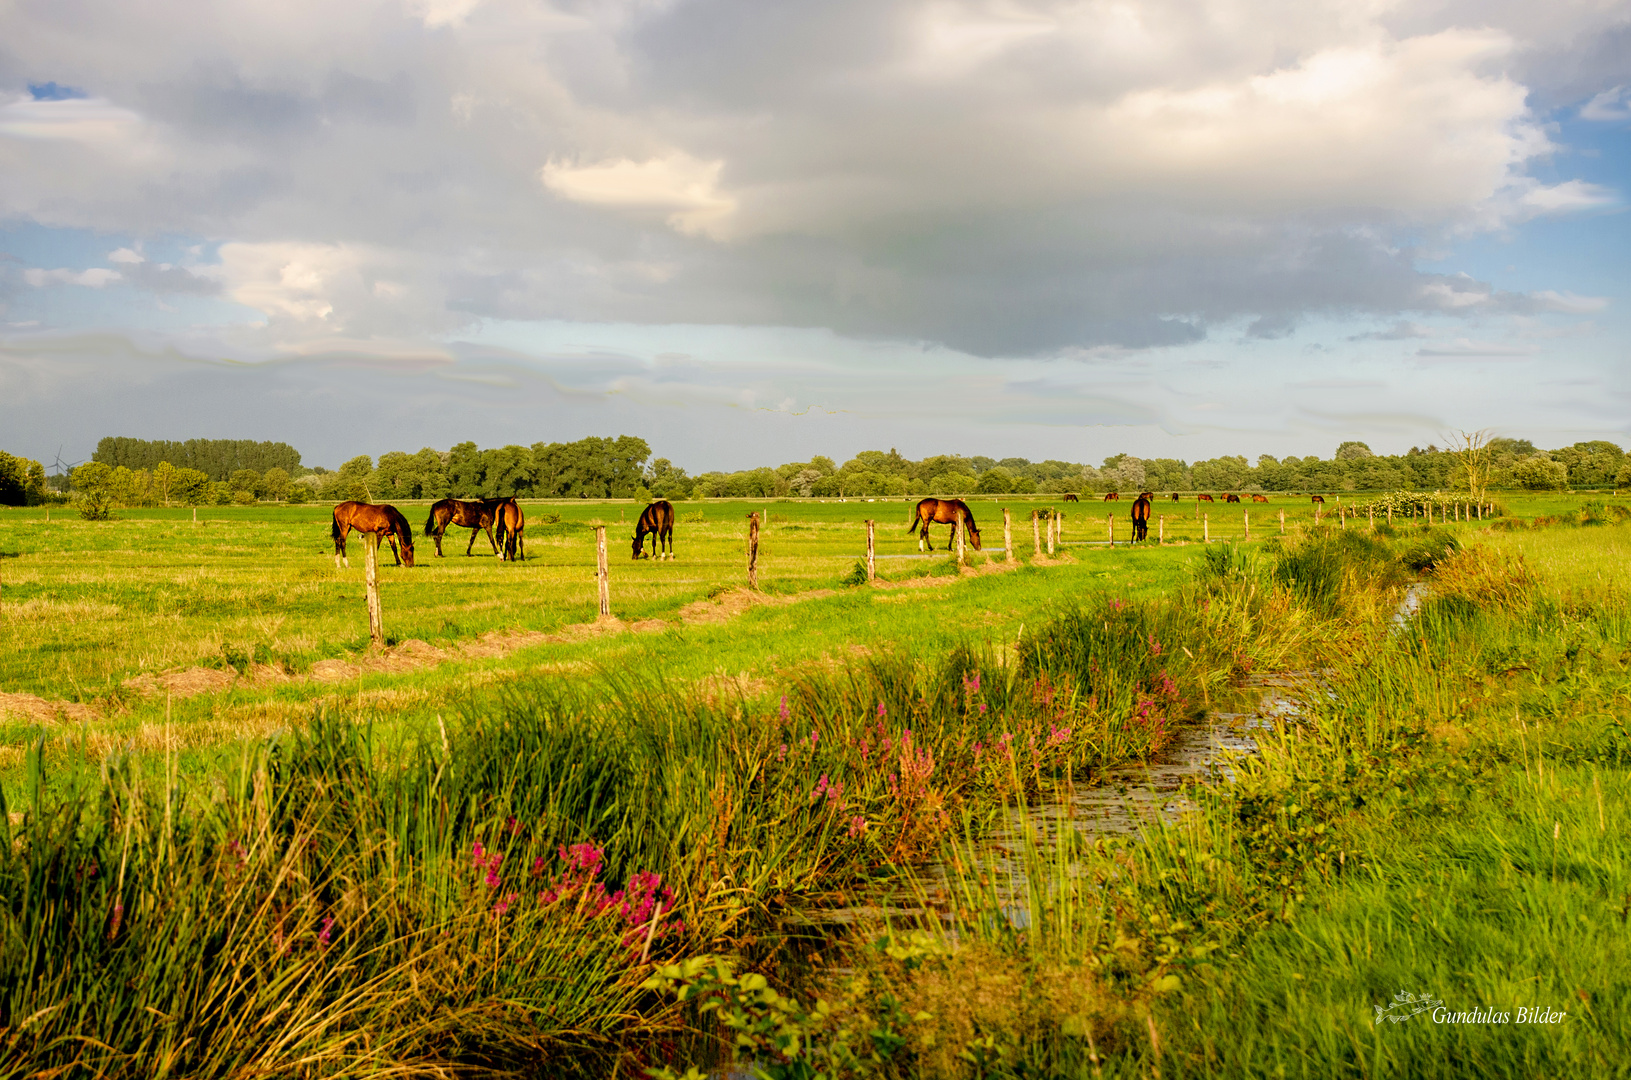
(1405,1005)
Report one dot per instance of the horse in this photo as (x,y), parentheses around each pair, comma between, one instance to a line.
(510,521)
(1141,518)
(941,512)
(1070,496)
(1231,498)
(384,521)
(1260,498)
(1204,498)
(1112,497)
(1147,495)
(1175,496)
(474,515)
(658,520)
(1319,499)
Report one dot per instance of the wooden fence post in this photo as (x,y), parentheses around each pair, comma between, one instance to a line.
(1282,522)
(1317,509)
(376,627)
(1247,515)
(1206,528)
(602,571)
(961,529)
(1053,530)
(753,550)
(1390,515)
(195,515)
(1373,519)
(871,554)
(1036,534)
(1342,516)
(1161,528)
(1110,528)
(1008,535)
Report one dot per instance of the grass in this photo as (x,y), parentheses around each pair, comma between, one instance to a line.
(460,868)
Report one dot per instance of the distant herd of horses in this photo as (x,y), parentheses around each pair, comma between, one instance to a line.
(386,524)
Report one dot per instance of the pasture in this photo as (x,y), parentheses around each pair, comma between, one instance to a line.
(399,851)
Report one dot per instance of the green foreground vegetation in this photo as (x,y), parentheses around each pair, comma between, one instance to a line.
(594,854)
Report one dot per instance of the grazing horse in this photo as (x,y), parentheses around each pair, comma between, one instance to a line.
(1147,495)
(1141,518)
(942,512)
(510,521)
(1174,496)
(475,515)
(1070,496)
(1112,497)
(658,520)
(1231,498)
(1319,499)
(1260,498)
(384,521)
(1204,498)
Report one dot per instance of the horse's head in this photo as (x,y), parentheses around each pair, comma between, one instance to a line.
(407,553)
(637,545)
(974,537)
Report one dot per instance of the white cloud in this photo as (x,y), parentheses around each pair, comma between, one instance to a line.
(94,278)
(92,121)
(1611,105)
(677,184)
(1569,303)
(126,256)
(1568,196)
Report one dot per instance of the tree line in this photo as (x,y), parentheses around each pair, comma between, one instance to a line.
(217,459)
(622,467)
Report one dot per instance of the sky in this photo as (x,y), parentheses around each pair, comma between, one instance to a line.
(752,232)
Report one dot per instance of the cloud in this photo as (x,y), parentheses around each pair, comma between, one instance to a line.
(1612,105)
(94,278)
(1568,303)
(1009,179)
(678,185)
(1464,348)
(1399,331)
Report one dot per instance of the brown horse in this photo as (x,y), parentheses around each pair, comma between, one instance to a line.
(1231,498)
(1147,495)
(942,512)
(1319,499)
(1141,518)
(474,515)
(383,521)
(1204,498)
(658,520)
(1070,496)
(510,521)
(1175,496)
(1112,497)
(1260,498)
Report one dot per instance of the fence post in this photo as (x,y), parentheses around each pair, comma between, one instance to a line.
(1282,522)
(753,550)
(1206,528)
(1317,508)
(602,571)
(1036,534)
(961,529)
(1008,535)
(1161,528)
(1247,515)
(1110,528)
(871,554)
(1373,519)
(1390,515)
(195,515)
(1342,516)
(1053,530)
(376,627)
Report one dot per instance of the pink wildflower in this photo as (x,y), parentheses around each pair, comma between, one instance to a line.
(784,711)
(504,905)
(857,826)
(326,935)
(880,709)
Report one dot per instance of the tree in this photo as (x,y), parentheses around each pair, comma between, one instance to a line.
(996,481)
(191,486)
(92,483)
(276,483)
(22,481)
(1475,456)
(246,480)
(1353,451)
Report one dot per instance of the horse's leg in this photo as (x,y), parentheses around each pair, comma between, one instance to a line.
(469,549)
(396,552)
(339,548)
(438,535)
(490,539)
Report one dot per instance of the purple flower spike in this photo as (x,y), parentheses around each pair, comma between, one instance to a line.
(784,710)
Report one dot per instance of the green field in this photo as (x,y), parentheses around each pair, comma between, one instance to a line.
(299,833)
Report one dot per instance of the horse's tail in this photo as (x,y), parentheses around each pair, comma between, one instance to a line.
(430,522)
(915,520)
(334,531)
